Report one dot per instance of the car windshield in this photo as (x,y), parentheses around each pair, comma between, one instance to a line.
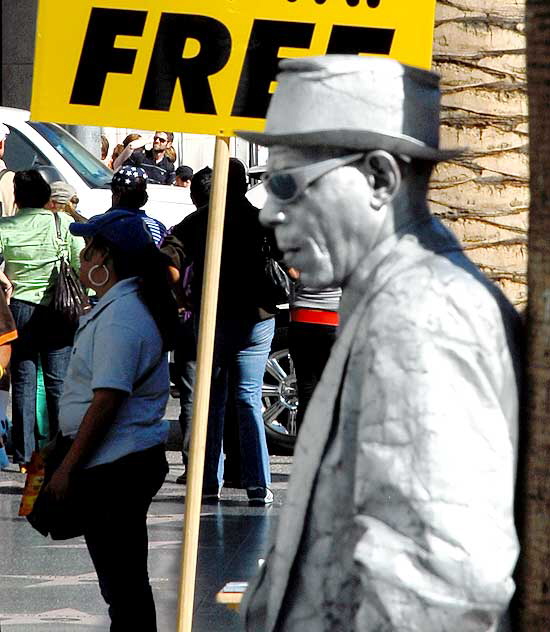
(88,167)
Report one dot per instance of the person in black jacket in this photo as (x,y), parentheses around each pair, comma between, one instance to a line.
(244,329)
(158,166)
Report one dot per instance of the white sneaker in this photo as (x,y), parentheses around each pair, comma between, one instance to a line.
(212,494)
(259,495)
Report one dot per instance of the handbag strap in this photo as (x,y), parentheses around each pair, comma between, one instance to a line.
(59,237)
(57,224)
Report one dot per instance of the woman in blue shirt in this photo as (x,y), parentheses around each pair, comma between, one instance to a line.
(113,405)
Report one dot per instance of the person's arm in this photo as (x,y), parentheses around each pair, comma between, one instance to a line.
(128,152)
(122,157)
(96,422)
(8,333)
(5,356)
(76,245)
(7,198)
(173,275)
(6,285)
(173,248)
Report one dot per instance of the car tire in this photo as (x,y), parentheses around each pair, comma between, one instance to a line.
(279,397)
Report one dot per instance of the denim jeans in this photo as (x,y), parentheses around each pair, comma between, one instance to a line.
(242,347)
(116,497)
(41,334)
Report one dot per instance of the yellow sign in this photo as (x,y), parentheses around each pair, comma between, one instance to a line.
(204,67)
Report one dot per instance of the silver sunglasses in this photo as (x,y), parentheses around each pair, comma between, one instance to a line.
(287,185)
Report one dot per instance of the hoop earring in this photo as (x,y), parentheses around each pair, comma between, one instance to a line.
(91,271)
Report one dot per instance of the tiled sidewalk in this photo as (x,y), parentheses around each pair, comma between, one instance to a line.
(53,584)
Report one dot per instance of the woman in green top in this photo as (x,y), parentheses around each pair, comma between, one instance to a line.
(31,248)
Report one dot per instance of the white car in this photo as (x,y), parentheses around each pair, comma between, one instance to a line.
(60,156)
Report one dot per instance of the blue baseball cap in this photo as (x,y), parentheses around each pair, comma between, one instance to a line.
(123,229)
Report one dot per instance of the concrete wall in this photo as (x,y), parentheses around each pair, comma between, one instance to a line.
(18,31)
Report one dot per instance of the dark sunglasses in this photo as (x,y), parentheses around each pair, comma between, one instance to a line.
(287,185)
(160,138)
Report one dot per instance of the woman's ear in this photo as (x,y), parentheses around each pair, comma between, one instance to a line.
(384,176)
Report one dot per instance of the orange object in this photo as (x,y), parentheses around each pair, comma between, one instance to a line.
(231,595)
(33,484)
(314,316)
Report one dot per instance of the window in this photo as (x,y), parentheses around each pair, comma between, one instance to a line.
(20,154)
(88,167)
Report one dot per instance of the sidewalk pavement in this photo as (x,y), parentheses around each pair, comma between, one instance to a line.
(53,585)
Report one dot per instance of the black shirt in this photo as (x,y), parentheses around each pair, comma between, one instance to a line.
(242,263)
(161,172)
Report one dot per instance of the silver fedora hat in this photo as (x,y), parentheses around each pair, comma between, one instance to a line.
(357,103)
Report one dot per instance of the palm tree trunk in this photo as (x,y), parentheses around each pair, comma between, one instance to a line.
(533,574)
(479,49)
(484,196)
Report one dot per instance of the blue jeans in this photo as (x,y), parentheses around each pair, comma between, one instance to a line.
(242,347)
(41,334)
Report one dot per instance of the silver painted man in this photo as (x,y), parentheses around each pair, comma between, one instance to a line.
(399,514)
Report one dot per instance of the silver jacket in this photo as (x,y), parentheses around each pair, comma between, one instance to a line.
(399,513)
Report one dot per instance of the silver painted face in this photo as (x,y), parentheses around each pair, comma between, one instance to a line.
(324,232)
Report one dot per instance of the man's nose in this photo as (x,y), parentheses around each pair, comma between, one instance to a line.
(271,214)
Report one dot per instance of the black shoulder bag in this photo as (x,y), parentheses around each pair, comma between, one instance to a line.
(69,298)
(275,288)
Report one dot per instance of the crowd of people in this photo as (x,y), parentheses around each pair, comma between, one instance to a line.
(400,509)
(156,155)
(31,250)
(107,379)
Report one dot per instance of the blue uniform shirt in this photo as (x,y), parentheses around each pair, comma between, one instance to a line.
(117,342)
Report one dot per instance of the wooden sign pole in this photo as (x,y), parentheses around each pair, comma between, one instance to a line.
(205,349)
